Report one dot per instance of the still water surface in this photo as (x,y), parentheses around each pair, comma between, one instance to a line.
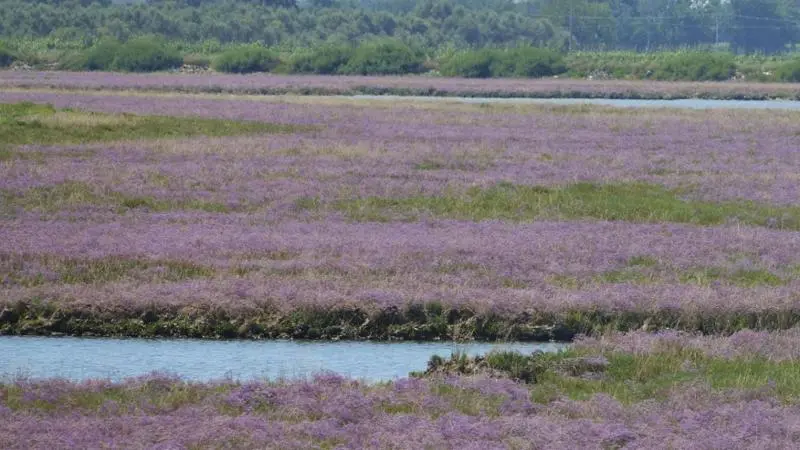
(203,360)
(692,103)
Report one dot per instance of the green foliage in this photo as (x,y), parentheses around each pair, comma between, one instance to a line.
(789,71)
(384,57)
(521,62)
(528,62)
(145,54)
(6,55)
(696,66)
(247,59)
(634,378)
(633,202)
(324,60)
(197,60)
(470,64)
(101,56)
(26,123)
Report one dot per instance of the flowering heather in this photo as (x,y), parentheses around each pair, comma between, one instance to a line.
(157,236)
(346,85)
(329,411)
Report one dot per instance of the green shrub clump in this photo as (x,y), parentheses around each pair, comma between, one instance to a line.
(789,71)
(520,62)
(470,64)
(246,60)
(6,56)
(695,66)
(325,60)
(384,57)
(145,55)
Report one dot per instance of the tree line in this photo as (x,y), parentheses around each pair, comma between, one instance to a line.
(744,26)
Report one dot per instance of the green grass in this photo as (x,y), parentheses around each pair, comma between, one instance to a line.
(652,272)
(634,378)
(72,194)
(631,202)
(27,123)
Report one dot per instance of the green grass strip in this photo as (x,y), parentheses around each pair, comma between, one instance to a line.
(28,123)
(630,202)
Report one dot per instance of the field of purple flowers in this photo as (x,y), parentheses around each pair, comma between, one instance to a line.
(270,84)
(408,221)
(403,220)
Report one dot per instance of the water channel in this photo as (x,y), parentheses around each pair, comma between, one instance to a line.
(203,360)
(691,103)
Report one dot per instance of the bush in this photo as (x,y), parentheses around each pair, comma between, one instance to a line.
(324,60)
(384,57)
(6,56)
(99,57)
(197,60)
(530,62)
(470,64)
(789,71)
(246,60)
(695,66)
(145,55)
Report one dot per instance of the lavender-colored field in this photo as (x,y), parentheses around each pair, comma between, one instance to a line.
(214,232)
(414,85)
(246,226)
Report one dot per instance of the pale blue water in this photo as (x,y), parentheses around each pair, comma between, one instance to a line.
(693,103)
(203,360)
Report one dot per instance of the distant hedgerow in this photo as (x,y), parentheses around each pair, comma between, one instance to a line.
(6,56)
(101,56)
(325,60)
(696,66)
(145,55)
(521,62)
(789,71)
(246,60)
(384,57)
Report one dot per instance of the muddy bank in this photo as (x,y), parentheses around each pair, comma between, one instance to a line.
(418,322)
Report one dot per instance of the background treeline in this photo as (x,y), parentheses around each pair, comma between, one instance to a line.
(744,25)
(649,39)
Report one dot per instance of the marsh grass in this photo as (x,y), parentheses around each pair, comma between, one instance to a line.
(630,202)
(648,270)
(28,123)
(34,271)
(632,378)
(73,194)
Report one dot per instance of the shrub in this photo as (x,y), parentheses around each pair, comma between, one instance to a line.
(789,71)
(99,57)
(530,62)
(470,64)
(695,66)
(145,55)
(384,57)
(6,56)
(246,60)
(197,60)
(323,60)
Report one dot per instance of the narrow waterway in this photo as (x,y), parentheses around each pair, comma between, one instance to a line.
(203,360)
(692,103)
